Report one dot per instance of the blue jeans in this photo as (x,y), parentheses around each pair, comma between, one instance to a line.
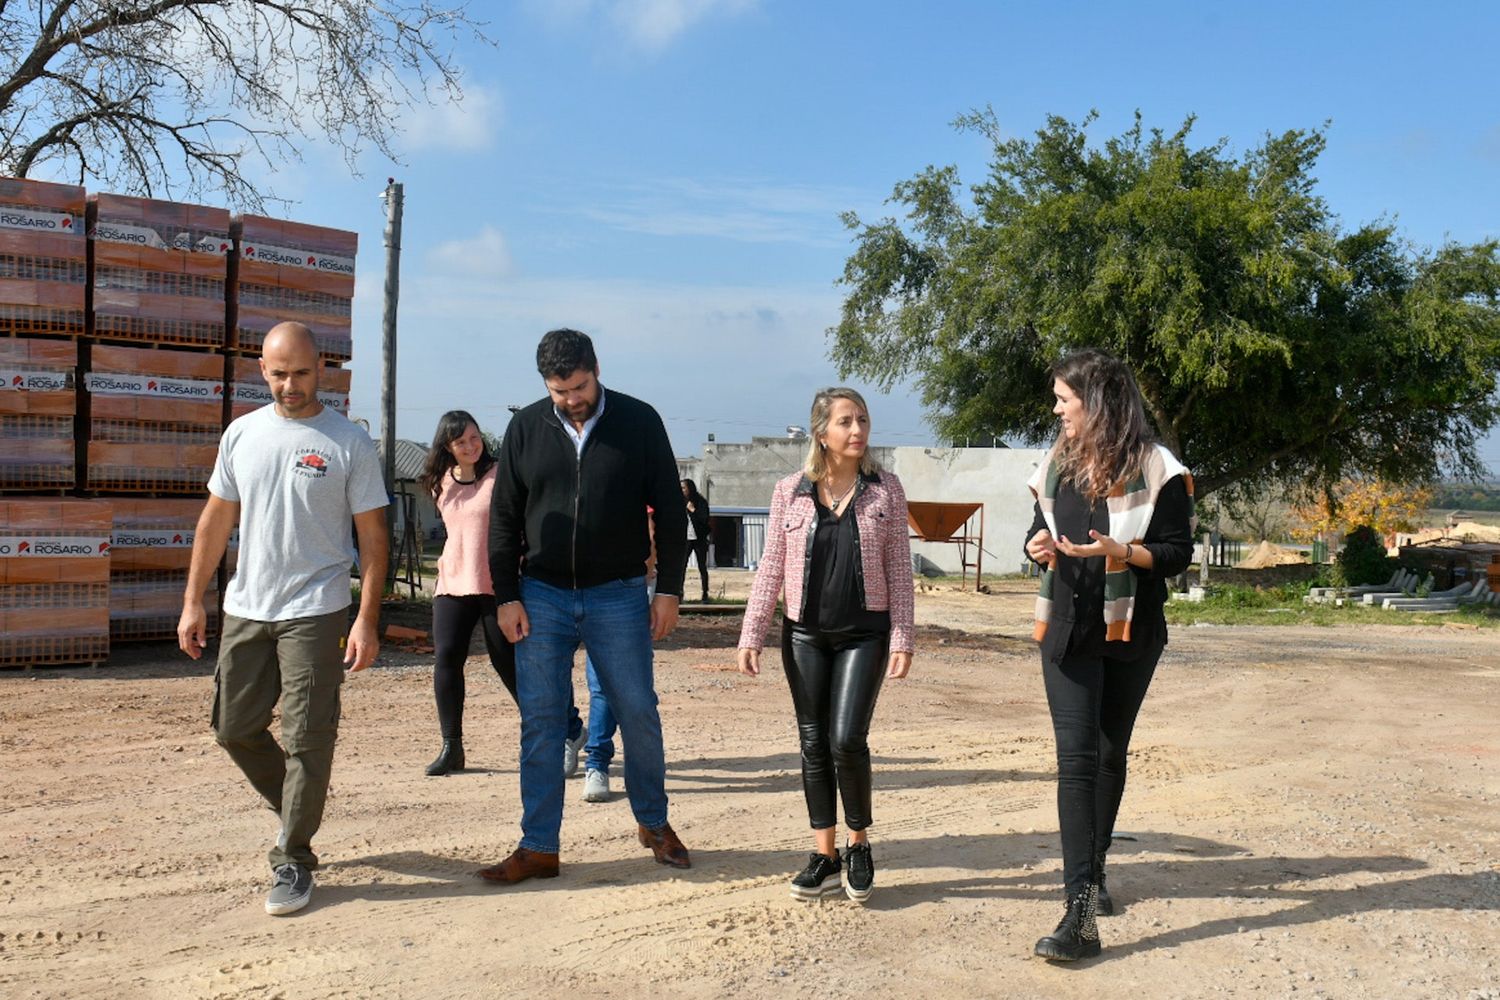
(613,621)
(602,725)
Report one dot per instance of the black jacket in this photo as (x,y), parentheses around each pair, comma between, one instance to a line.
(699,515)
(580,520)
(1077,624)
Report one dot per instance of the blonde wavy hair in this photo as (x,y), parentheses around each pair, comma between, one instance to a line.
(815,467)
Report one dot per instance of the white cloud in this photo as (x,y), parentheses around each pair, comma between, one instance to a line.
(654,25)
(648,25)
(444,124)
(485,255)
(742,210)
(736,361)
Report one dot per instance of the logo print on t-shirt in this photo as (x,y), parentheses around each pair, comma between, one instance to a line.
(311,463)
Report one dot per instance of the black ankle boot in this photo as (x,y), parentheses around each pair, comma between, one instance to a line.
(1077,936)
(451,759)
(1106,906)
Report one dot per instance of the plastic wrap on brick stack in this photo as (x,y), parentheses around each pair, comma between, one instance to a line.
(150,550)
(248,390)
(38,398)
(293,271)
(43,257)
(54,581)
(155,419)
(159,271)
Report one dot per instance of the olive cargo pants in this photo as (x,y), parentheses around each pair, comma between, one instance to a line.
(299,662)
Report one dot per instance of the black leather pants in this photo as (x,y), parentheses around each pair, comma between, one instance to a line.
(835,678)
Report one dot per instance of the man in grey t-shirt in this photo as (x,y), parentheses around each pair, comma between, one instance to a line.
(292,475)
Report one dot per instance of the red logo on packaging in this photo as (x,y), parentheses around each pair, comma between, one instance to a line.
(312,261)
(176,539)
(218,390)
(103,547)
(151,385)
(67,222)
(248,252)
(24,547)
(18,380)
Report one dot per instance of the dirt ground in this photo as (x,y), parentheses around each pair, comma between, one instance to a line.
(1312,812)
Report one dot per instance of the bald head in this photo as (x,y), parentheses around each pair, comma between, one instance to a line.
(290,364)
(290,336)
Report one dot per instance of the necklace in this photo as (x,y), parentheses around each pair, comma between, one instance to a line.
(462,482)
(836,501)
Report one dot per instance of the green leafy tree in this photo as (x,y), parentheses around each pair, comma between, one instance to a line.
(1270,345)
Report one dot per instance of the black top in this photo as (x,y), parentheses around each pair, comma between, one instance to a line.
(835,586)
(580,520)
(1077,624)
(699,515)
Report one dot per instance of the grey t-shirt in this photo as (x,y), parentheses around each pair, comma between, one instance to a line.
(299,484)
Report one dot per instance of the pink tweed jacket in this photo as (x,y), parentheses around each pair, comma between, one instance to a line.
(884,548)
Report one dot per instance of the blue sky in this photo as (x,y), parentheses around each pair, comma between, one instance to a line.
(667,174)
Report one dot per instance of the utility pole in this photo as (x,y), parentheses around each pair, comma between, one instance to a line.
(392,196)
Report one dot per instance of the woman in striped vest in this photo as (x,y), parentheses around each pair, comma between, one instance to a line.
(1114,520)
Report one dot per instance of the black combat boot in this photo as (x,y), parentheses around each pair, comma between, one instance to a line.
(1077,936)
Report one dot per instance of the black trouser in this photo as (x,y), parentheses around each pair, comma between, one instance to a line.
(453,621)
(835,678)
(699,547)
(1094,702)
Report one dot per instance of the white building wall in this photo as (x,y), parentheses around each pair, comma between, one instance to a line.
(995,477)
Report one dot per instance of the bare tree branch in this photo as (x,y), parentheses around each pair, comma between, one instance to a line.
(186,94)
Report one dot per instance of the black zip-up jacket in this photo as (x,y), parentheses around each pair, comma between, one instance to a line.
(580,520)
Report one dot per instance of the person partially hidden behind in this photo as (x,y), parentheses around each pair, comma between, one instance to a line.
(291,475)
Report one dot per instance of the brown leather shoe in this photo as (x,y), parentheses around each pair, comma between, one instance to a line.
(521,865)
(665,845)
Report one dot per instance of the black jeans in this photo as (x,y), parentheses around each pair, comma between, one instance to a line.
(699,548)
(453,621)
(835,678)
(1094,702)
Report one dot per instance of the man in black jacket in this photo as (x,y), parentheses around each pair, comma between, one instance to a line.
(568,548)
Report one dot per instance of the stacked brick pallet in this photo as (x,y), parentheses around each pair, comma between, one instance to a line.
(54,581)
(43,285)
(151,546)
(120,354)
(291,271)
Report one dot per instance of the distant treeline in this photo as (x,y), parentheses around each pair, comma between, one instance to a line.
(1467,496)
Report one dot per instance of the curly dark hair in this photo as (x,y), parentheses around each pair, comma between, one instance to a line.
(563,352)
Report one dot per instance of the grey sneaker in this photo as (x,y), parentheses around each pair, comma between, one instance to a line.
(570,754)
(291,891)
(595,786)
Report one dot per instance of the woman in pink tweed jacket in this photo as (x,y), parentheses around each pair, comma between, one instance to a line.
(837,544)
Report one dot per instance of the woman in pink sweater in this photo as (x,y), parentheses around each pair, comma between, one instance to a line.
(460,477)
(837,544)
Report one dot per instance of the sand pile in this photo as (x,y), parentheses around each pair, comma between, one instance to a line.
(1473,531)
(1268,554)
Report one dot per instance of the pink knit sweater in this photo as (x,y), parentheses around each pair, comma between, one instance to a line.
(464,567)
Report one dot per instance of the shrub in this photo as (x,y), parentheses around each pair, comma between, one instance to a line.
(1362,559)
